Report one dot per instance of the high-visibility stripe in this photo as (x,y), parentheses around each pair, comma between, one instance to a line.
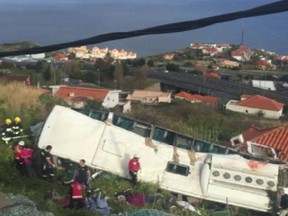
(77,197)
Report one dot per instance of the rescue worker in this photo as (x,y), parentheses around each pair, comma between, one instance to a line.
(77,199)
(26,154)
(48,166)
(19,161)
(7,130)
(36,161)
(82,174)
(17,127)
(134,167)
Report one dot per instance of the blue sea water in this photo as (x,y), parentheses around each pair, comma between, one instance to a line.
(58,21)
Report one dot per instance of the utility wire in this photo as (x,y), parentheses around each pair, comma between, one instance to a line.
(272,8)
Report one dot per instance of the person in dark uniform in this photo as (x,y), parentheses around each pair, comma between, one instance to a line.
(36,161)
(48,166)
(7,132)
(82,174)
(17,127)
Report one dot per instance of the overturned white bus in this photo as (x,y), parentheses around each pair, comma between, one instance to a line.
(175,162)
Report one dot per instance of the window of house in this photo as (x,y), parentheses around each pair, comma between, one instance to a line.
(179,169)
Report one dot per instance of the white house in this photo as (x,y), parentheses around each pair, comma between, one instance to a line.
(77,96)
(256,105)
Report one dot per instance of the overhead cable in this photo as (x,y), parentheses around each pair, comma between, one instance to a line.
(272,8)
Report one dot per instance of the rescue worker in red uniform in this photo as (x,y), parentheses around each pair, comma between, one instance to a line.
(77,199)
(134,167)
(19,161)
(26,154)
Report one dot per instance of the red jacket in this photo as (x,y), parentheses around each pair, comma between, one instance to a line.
(134,165)
(77,190)
(26,154)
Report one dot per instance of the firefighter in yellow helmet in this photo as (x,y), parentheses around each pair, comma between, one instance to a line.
(17,127)
(7,130)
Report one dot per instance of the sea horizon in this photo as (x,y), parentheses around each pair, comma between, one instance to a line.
(53,22)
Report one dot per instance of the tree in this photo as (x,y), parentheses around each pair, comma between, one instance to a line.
(89,77)
(139,62)
(47,74)
(41,66)
(118,74)
(172,67)
(150,63)
(73,70)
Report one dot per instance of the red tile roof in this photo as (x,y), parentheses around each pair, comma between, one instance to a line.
(276,137)
(69,92)
(59,57)
(263,63)
(261,102)
(193,97)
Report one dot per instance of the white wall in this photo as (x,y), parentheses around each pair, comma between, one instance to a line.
(231,105)
(111,100)
(38,56)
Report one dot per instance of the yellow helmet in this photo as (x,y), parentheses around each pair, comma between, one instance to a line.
(17,119)
(8,121)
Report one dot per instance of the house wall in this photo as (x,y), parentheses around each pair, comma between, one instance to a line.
(38,56)
(247,110)
(111,100)
(127,107)
(165,99)
(237,140)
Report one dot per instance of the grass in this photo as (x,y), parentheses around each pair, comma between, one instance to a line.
(35,189)
(198,120)
(18,100)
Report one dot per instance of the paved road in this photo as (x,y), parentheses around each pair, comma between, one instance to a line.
(226,90)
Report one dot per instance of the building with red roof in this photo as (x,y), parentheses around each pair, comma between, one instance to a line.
(256,139)
(77,96)
(243,53)
(196,98)
(60,57)
(257,105)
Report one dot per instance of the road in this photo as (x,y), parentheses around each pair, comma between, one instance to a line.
(225,90)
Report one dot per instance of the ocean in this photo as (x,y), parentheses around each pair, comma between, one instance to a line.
(58,21)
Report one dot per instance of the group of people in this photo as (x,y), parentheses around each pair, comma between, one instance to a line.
(12,128)
(79,195)
(95,201)
(34,161)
